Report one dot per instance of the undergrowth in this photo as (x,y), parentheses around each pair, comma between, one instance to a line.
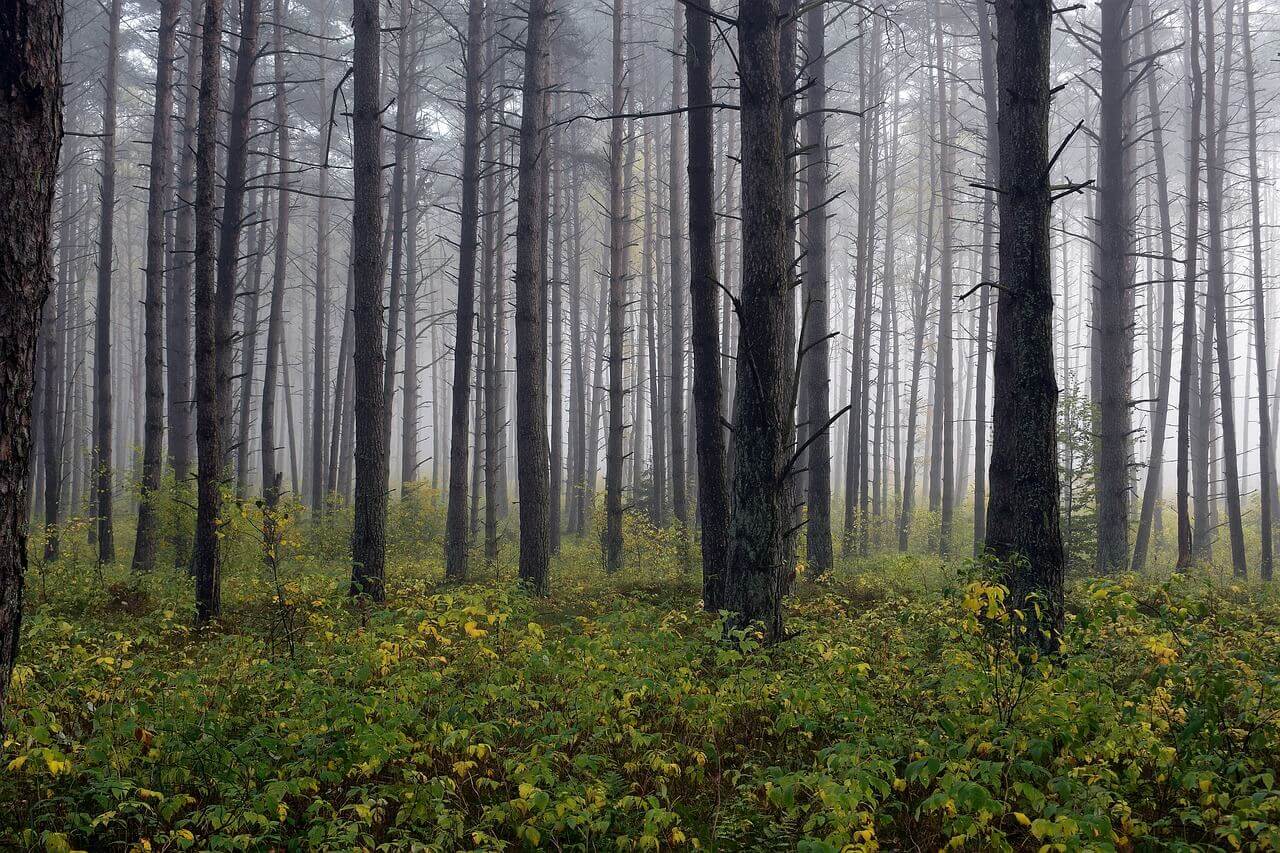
(613,716)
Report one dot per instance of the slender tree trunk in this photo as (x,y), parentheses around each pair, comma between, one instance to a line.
(368,535)
(556,216)
(944,379)
(713,481)
(455,525)
(178,293)
(1266,450)
(1164,371)
(1022,518)
(320,459)
(816,317)
(1215,144)
(409,403)
(1191,242)
(531,366)
(102,383)
(159,192)
(611,546)
(249,342)
(209,329)
(676,229)
(275,317)
(991,104)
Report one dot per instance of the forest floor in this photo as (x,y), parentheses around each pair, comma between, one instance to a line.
(613,716)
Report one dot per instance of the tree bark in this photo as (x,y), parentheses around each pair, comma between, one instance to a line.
(1022,517)
(611,545)
(763,414)
(676,229)
(713,481)
(1191,243)
(455,523)
(368,535)
(531,293)
(159,193)
(30,135)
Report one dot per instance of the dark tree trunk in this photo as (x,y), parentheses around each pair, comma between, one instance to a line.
(763,416)
(178,294)
(160,190)
(611,545)
(1022,518)
(713,480)
(943,379)
(102,408)
(530,285)
(1265,449)
(1215,146)
(456,523)
(368,535)
(275,319)
(209,328)
(1191,242)
(816,360)
(676,229)
(1114,289)
(320,459)
(30,135)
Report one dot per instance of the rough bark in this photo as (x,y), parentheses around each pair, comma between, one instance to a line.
(530,286)
(30,134)
(1022,517)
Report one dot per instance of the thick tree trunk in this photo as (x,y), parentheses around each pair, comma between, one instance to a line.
(763,417)
(30,135)
(159,193)
(455,524)
(102,383)
(1022,518)
(531,293)
(368,535)
(208,326)
(713,481)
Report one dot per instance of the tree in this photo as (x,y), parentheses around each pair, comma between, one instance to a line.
(208,326)
(708,393)
(30,135)
(456,522)
(815,319)
(1022,517)
(531,345)
(368,534)
(619,238)
(102,408)
(676,229)
(159,193)
(763,402)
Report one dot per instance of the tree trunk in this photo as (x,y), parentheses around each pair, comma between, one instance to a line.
(275,318)
(944,380)
(556,216)
(763,416)
(1114,279)
(368,535)
(30,134)
(530,285)
(1022,517)
(713,482)
(455,524)
(991,104)
(210,328)
(1191,243)
(320,459)
(159,192)
(676,229)
(1265,448)
(102,383)
(611,546)
(1164,371)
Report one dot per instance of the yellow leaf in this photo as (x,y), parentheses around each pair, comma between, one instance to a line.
(1022,819)
(474,630)
(17,763)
